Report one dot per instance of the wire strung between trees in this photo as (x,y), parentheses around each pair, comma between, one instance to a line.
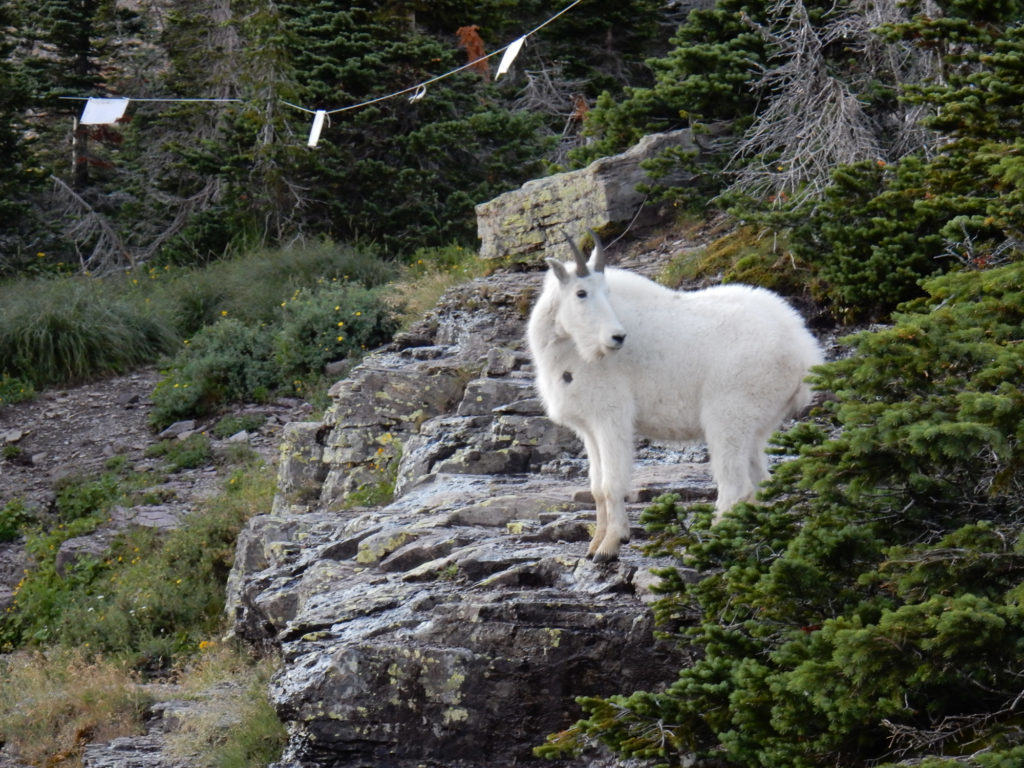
(418,87)
(422,86)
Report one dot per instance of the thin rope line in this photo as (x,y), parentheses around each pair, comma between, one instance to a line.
(368,102)
(130,98)
(296,106)
(433,80)
(631,223)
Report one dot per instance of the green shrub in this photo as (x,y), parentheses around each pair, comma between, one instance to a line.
(192,452)
(43,595)
(331,323)
(879,230)
(14,517)
(223,362)
(14,390)
(80,497)
(869,613)
(233,361)
(231,425)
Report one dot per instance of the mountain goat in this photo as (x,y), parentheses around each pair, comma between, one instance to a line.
(617,354)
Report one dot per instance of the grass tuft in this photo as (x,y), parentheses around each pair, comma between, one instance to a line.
(71,329)
(235,725)
(52,704)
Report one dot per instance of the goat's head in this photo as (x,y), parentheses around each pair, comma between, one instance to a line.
(584,312)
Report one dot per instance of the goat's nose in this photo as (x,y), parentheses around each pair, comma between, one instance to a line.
(619,339)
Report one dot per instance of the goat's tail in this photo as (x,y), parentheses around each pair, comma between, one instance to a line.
(799,402)
(803,396)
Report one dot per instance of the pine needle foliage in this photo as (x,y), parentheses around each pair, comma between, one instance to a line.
(870,611)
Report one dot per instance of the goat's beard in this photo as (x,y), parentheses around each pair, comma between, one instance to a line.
(592,352)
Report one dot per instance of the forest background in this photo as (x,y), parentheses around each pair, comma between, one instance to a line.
(870,154)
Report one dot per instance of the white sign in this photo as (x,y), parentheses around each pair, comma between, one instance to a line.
(103,111)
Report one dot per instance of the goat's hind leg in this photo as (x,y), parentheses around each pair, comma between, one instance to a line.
(739,465)
(734,470)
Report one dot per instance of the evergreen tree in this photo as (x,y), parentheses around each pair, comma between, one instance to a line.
(223,170)
(18,180)
(186,182)
(405,173)
(796,88)
(705,77)
(870,612)
(70,39)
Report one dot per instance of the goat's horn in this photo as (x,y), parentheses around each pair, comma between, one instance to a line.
(581,261)
(598,252)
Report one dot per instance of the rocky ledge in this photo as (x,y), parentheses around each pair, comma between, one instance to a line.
(453,623)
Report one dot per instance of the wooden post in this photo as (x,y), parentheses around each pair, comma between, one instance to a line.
(79,155)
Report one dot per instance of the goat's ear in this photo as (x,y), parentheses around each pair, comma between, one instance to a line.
(559,269)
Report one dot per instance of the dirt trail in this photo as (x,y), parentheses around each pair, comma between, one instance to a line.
(77,430)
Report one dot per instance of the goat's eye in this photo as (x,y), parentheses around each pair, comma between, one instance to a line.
(581,293)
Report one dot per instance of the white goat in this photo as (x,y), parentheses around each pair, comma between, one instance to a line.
(616,354)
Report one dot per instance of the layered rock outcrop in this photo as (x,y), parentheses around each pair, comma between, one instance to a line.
(453,624)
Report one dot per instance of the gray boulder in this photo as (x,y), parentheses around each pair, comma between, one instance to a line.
(530,223)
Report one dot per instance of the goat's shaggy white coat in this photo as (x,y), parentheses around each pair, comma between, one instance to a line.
(617,354)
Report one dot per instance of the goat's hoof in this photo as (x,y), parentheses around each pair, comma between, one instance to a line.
(602,557)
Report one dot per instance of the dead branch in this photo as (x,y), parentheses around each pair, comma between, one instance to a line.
(548,92)
(88,227)
(812,119)
(961,729)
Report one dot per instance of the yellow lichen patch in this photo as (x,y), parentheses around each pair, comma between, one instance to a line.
(454,715)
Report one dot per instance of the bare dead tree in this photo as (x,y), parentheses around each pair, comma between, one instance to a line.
(963,730)
(895,62)
(90,229)
(812,120)
(183,209)
(548,92)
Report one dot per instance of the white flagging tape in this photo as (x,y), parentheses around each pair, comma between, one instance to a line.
(318,125)
(511,51)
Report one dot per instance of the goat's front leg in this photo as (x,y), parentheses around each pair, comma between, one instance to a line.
(596,490)
(615,446)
